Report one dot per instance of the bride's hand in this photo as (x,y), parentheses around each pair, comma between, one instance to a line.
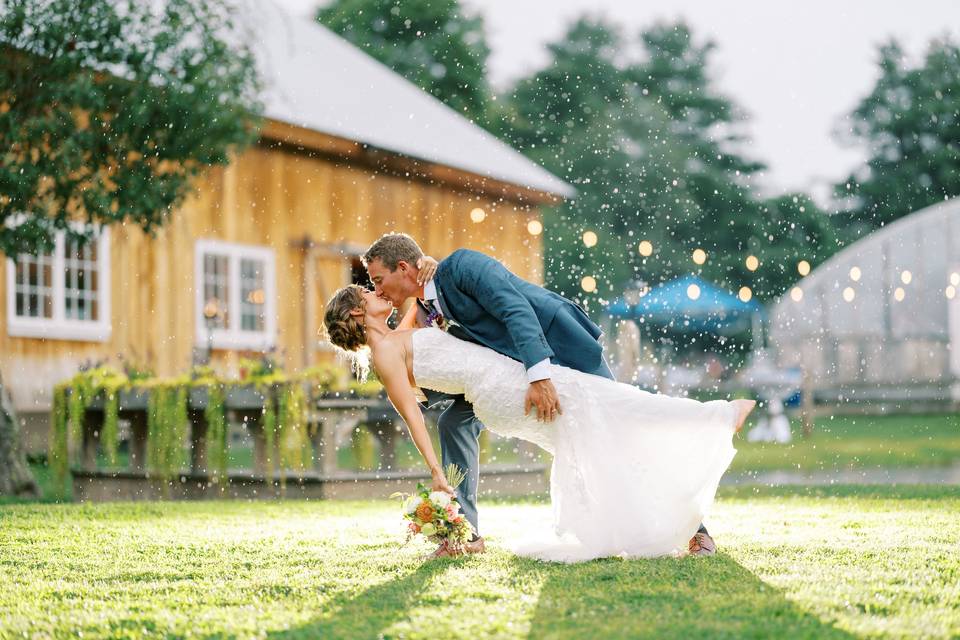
(427,267)
(440,483)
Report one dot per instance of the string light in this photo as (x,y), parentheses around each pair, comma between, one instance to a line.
(955,279)
(803,267)
(478,215)
(589,239)
(535,227)
(752,263)
(855,274)
(588,284)
(796,294)
(899,294)
(906,277)
(745,294)
(693,292)
(849,294)
(646,248)
(699,256)
(951,292)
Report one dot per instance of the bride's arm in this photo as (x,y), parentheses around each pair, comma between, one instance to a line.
(392,371)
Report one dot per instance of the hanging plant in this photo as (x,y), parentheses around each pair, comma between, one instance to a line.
(295,443)
(270,428)
(217,447)
(59,455)
(166,430)
(109,434)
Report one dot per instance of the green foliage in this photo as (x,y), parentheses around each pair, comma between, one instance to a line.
(58,446)
(110,430)
(432,43)
(166,431)
(109,109)
(217,444)
(654,151)
(910,127)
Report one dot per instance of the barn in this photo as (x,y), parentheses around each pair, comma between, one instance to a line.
(348,151)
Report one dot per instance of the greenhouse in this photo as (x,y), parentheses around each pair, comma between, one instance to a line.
(879,318)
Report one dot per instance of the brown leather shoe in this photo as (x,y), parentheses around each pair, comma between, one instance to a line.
(701,544)
(475,546)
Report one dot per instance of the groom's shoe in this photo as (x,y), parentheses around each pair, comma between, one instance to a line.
(475,546)
(701,544)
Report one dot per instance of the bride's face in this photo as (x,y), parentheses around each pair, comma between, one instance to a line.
(375,306)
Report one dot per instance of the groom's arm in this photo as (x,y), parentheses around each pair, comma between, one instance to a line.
(488,282)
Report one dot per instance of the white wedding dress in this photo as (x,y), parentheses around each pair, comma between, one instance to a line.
(633,472)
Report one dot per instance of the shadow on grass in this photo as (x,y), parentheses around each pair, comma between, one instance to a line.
(368,613)
(664,598)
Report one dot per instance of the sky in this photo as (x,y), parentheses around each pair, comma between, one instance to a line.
(796,69)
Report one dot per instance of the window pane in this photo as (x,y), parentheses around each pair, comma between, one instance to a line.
(216,290)
(75,280)
(32,286)
(253,295)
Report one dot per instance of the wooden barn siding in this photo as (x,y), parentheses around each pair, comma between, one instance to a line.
(267,197)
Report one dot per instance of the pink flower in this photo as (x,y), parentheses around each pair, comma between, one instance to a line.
(451,510)
(414,527)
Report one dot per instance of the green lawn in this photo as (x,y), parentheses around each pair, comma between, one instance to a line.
(858,442)
(839,563)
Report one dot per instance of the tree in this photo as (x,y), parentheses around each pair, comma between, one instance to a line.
(432,43)
(108,109)
(653,150)
(910,126)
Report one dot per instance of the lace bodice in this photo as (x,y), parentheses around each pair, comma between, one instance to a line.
(495,384)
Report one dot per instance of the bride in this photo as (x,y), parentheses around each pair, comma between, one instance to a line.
(633,472)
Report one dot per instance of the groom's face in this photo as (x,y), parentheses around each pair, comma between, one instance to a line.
(397,285)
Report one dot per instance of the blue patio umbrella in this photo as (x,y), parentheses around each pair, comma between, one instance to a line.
(690,305)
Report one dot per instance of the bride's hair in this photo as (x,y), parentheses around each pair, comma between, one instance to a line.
(345,331)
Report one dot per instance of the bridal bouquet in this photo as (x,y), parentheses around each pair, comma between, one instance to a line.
(436,515)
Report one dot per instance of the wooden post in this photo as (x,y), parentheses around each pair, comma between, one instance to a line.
(386,431)
(198,441)
(253,419)
(325,442)
(138,438)
(92,426)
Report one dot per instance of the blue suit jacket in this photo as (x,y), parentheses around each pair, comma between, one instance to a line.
(521,320)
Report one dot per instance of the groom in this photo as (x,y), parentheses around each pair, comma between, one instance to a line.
(476,298)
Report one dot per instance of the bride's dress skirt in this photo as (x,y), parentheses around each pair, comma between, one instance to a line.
(633,473)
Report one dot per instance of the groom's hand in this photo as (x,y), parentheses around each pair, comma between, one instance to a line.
(543,395)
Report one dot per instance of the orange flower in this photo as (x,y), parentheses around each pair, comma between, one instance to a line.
(425,512)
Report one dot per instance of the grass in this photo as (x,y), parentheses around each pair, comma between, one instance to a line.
(842,562)
(858,442)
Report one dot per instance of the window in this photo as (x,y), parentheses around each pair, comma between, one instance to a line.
(62,294)
(235,296)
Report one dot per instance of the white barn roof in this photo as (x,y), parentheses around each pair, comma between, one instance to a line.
(316,80)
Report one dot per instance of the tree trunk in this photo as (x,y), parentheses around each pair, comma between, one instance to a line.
(15,476)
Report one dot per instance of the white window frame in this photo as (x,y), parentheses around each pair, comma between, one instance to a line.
(233,337)
(59,327)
